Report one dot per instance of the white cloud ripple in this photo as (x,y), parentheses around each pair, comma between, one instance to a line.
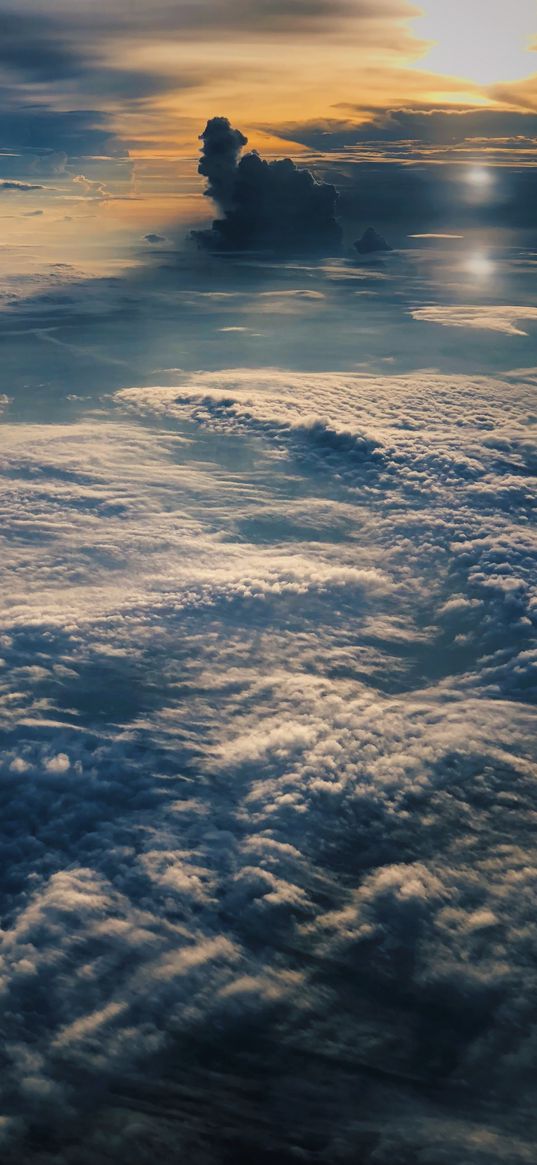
(268,774)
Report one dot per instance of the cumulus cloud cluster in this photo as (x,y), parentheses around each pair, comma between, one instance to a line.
(275,206)
(266,778)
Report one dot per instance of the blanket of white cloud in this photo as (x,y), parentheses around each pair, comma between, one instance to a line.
(267,776)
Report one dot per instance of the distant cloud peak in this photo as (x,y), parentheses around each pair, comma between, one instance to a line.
(371,243)
(222,147)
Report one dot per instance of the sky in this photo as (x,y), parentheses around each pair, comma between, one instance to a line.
(103,103)
(268,593)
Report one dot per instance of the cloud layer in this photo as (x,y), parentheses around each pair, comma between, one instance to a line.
(267,783)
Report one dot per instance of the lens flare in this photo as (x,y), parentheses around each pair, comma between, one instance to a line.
(479,266)
(479,176)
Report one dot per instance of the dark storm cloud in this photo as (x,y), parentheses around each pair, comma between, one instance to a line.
(435,127)
(267,205)
(443,127)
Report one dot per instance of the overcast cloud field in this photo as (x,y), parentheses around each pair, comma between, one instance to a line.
(268,800)
(267,635)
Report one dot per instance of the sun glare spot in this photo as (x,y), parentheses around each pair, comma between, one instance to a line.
(479,176)
(484,41)
(479,266)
